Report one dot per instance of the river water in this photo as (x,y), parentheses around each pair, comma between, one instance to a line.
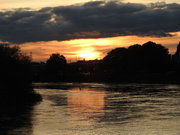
(99,109)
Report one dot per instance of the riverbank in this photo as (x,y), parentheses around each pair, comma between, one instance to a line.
(110,77)
(19,97)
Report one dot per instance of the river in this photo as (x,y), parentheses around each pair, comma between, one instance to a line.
(98,109)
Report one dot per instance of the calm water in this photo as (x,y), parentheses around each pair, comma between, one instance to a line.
(98,109)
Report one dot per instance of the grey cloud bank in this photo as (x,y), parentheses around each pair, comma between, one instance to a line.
(90,20)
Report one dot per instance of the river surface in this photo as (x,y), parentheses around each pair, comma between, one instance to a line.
(98,109)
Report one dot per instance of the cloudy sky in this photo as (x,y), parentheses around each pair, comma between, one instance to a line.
(87,29)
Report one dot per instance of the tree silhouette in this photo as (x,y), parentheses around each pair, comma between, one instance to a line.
(14,65)
(56,63)
(15,74)
(115,59)
(178,49)
(155,56)
(176,59)
(150,57)
(134,58)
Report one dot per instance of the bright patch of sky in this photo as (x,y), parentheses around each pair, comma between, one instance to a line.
(53,36)
(6,4)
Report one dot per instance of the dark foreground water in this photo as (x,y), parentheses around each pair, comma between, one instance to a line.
(98,109)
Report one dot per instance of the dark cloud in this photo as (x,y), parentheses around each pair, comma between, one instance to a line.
(90,20)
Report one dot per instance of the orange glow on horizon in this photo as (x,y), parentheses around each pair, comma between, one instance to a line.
(90,49)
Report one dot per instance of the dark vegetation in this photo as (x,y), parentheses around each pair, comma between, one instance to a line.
(56,63)
(149,63)
(15,82)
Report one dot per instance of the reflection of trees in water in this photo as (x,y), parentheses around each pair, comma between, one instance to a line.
(58,100)
(121,103)
(134,102)
(16,120)
(91,104)
(16,91)
(124,110)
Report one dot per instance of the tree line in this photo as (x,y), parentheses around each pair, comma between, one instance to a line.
(150,57)
(15,80)
(149,61)
(136,63)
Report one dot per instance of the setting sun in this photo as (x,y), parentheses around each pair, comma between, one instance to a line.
(87,55)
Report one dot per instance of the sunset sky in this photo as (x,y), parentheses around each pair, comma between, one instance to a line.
(81,29)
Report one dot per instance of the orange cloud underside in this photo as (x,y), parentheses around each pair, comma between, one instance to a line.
(91,48)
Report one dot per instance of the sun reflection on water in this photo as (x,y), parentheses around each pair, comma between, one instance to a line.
(85,103)
(94,110)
